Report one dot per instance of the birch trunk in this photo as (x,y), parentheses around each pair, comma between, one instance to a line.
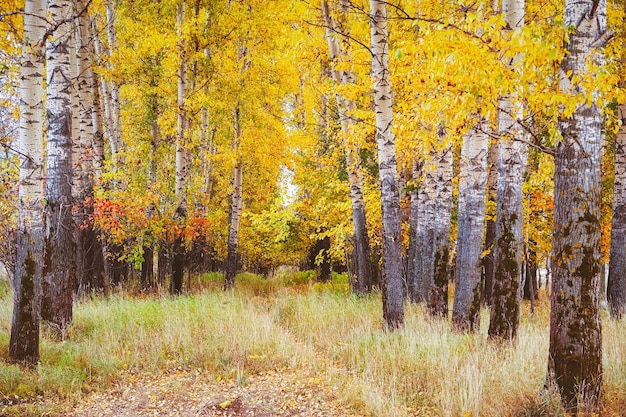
(90,159)
(207,138)
(106,97)
(24,342)
(97,111)
(575,361)
(236,203)
(182,156)
(616,287)
(236,207)
(393,297)
(512,161)
(115,128)
(438,303)
(58,283)
(472,190)
(362,281)
(507,285)
(425,243)
(78,173)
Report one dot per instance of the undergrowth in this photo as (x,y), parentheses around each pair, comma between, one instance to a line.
(290,320)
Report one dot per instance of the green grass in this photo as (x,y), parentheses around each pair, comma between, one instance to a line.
(423,369)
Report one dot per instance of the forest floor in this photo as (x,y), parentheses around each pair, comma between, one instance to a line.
(283,392)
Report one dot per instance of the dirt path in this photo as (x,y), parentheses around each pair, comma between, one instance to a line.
(298,391)
(285,392)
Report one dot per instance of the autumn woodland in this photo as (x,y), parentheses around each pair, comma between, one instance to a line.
(313,207)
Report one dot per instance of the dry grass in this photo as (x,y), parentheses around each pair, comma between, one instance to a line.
(424,369)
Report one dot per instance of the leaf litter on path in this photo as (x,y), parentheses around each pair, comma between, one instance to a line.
(194,393)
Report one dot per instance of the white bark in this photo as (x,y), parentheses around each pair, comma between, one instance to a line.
(616,286)
(425,248)
(75,106)
(393,308)
(438,301)
(115,130)
(361,282)
(105,98)
(575,361)
(60,266)
(236,206)
(85,95)
(508,250)
(183,159)
(471,219)
(512,161)
(24,342)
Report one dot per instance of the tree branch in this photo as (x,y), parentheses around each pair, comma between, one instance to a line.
(352,38)
(603,39)
(594,8)
(56,25)
(536,139)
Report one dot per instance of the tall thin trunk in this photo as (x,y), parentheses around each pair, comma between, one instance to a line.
(425,230)
(58,283)
(507,285)
(88,248)
(96,251)
(362,281)
(182,156)
(509,245)
(472,190)
(438,303)
(96,108)
(616,287)
(78,176)
(106,96)
(236,207)
(236,198)
(24,342)
(575,361)
(115,128)
(393,297)
(207,138)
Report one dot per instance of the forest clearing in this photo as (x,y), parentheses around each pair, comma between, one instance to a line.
(332,207)
(286,346)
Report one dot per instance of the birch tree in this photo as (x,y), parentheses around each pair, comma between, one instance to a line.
(236,202)
(92,153)
(438,302)
(182,154)
(236,206)
(471,218)
(362,282)
(575,355)
(24,342)
(58,283)
(112,93)
(393,307)
(421,267)
(509,241)
(616,287)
